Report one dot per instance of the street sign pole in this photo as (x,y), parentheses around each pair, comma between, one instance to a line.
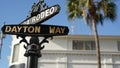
(33,49)
(33,52)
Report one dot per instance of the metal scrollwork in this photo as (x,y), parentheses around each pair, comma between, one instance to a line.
(34,46)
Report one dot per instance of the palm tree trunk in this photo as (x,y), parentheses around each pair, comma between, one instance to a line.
(97,43)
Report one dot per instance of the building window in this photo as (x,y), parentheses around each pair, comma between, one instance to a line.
(83,45)
(118,43)
(15,53)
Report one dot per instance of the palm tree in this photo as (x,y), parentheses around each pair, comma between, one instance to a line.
(93,12)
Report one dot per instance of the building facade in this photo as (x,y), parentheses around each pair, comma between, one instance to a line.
(72,51)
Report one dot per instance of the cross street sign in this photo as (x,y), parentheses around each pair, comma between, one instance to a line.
(43,15)
(35,30)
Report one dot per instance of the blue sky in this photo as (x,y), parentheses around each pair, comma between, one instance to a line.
(15,11)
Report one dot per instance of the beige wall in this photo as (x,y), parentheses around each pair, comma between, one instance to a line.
(58,53)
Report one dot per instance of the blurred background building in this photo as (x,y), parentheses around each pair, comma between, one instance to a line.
(72,51)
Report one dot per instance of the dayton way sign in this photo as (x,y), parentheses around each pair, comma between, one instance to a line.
(35,30)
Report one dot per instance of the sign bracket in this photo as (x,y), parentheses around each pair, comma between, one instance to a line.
(33,51)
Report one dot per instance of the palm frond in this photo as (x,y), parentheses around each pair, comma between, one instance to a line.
(73,9)
(79,12)
(72,15)
(99,18)
(111,12)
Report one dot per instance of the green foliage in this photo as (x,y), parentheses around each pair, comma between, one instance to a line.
(88,9)
(73,9)
(111,13)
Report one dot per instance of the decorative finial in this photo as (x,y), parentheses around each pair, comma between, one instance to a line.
(38,7)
